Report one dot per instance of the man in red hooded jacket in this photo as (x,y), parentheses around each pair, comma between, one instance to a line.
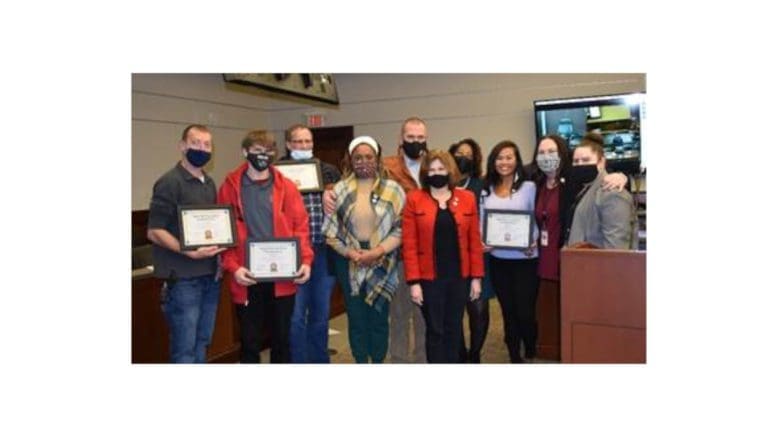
(267,205)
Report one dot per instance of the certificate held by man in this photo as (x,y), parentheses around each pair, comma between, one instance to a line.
(507,229)
(273,259)
(206,225)
(306,174)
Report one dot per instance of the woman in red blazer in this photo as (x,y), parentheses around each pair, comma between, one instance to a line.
(443,253)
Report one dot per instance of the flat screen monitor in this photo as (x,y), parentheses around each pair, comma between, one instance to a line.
(619,118)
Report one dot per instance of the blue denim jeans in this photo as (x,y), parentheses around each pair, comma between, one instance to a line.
(189,306)
(309,333)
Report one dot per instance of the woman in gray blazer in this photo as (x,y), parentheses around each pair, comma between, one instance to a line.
(606,219)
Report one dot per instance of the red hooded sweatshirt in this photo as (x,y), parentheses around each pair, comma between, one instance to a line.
(290,219)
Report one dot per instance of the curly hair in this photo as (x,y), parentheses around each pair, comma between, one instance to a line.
(477,155)
(563,153)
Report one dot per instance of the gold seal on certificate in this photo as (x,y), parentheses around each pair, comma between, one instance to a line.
(507,229)
(206,225)
(305,173)
(273,259)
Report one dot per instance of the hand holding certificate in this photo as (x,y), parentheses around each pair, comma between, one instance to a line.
(206,225)
(306,174)
(507,229)
(270,260)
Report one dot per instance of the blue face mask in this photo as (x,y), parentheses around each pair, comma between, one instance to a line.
(197,158)
(301,154)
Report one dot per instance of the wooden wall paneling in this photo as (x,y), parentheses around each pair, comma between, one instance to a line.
(603,296)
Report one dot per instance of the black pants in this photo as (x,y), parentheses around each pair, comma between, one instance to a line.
(264,307)
(478,315)
(516,283)
(443,310)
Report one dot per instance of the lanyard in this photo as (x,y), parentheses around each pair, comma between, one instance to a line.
(545,196)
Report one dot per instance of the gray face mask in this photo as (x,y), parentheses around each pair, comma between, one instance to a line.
(548,162)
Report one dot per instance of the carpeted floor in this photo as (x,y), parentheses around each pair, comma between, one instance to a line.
(494,350)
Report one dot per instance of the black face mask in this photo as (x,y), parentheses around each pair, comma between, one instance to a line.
(464,164)
(413,150)
(259,161)
(437,180)
(579,175)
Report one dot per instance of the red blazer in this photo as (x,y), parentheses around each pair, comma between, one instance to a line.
(418,220)
(290,219)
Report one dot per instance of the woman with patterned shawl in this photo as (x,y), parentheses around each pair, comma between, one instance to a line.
(366,231)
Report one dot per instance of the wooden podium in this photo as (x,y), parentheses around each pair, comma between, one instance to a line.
(602,306)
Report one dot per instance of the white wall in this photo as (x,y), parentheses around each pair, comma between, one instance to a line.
(486,107)
(164,104)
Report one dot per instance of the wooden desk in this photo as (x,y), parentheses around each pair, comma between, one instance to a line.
(150,337)
(603,306)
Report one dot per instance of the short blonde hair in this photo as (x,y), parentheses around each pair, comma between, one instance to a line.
(414,119)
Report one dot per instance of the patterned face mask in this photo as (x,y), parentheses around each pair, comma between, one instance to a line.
(365,170)
(259,161)
(548,162)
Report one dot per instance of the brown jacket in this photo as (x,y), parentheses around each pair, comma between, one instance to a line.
(395,169)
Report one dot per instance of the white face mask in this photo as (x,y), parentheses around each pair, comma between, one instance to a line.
(301,154)
(548,162)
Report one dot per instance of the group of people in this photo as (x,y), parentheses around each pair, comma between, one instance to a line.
(401,234)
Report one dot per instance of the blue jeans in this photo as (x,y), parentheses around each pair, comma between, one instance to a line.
(309,333)
(189,306)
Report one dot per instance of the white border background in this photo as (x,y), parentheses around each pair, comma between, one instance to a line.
(66,319)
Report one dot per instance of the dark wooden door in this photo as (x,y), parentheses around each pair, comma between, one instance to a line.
(330,144)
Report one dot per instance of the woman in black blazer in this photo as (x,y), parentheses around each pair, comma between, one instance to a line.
(469,160)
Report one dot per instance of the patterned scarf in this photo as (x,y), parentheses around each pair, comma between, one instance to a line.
(387,200)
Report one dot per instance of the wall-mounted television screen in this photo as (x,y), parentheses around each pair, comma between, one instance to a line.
(619,118)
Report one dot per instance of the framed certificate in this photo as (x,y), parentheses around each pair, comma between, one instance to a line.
(306,174)
(508,229)
(206,225)
(273,259)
